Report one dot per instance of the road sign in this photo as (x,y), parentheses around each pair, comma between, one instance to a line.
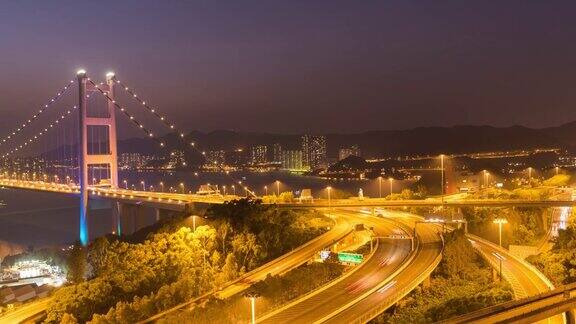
(350,257)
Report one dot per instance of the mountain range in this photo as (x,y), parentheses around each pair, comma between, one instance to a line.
(422,140)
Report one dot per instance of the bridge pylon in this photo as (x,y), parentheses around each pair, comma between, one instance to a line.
(106,156)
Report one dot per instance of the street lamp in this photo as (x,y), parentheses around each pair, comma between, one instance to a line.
(143,185)
(277,187)
(500,222)
(234,190)
(529,173)
(194,222)
(380,186)
(442,176)
(125,184)
(252,296)
(224,189)
(391,184)
(557,169)
(266,190)
(329,198)
(182,187)
(162,186)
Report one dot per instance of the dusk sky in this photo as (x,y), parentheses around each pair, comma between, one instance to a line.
(302,66)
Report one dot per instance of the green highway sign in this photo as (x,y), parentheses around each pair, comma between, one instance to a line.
(350,257)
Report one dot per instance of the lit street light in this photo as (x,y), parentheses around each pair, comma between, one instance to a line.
(143,185)
(391,184)
(380,186)
(500,222)
(557,169)
(277,187)
(329,198)
(162,186)
(224,189)
(182,187)
(252,296)
(234,190)
(265,190)
(442,177)
(529,173)
(125,184)
(194,222)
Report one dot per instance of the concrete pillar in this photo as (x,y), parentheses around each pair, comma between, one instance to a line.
(157,210)
(116,220)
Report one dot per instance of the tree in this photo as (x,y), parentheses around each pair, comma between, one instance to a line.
(77,264)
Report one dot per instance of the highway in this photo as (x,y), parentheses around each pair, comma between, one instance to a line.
(375,280)
(25,312)
(524,278)
(527,310)
(284,263)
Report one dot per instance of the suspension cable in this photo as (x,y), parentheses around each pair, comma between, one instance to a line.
(172,127)
(27,122)
(43,132)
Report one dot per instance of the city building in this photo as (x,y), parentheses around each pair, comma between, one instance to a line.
(214,158)
(292,160)
(277,153)
(133,161)
(347,151)
(259,154)
(314,152)
(237,158)
(176,160)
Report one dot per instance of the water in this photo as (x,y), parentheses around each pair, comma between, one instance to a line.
(43,219)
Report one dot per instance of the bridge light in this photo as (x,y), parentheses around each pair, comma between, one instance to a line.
(80,72)
(110,75)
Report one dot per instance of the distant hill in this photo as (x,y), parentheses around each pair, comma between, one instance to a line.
(422,140)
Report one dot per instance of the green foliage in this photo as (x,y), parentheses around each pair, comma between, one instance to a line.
(76,264)
(407,194)
(559,180)
(559,264)
(525,224)
(133,281)
(459,260)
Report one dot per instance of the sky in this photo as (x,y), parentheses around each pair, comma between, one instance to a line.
(302,66)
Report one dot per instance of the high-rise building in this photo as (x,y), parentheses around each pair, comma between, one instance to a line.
(214,158)
(259,154)
(277,153)
(347,151)
(236,158)
(176,159)
(314,151)
(292,160)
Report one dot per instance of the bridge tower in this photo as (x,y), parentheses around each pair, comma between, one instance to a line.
(106,157)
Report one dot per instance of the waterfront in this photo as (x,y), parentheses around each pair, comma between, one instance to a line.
(52,219)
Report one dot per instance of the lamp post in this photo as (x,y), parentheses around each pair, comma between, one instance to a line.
(194,222)
(143,183)
(182,187)
(252,296)
(529,173)
(442,177)
(234,190)
(277,188)
(500,222)
(380,186)
(224,189)
(391,184)
(265,190)
(162,186)
(329,198)
(557,169)
(125,184)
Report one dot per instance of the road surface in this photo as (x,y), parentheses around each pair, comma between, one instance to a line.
(291,260)
(524,279)
(25,312)
(358,290)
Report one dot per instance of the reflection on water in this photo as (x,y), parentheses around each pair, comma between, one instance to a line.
(36,218)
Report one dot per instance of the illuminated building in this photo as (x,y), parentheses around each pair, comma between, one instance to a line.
(259,153)
(347,151)
(277,153)
(292,160)
(215,157)
(314,151)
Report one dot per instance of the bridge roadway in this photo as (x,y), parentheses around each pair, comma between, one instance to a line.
(392,272)
(179,201)
(527,310)
(524,279)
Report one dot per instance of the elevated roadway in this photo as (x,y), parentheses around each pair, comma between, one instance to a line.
(379,281)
